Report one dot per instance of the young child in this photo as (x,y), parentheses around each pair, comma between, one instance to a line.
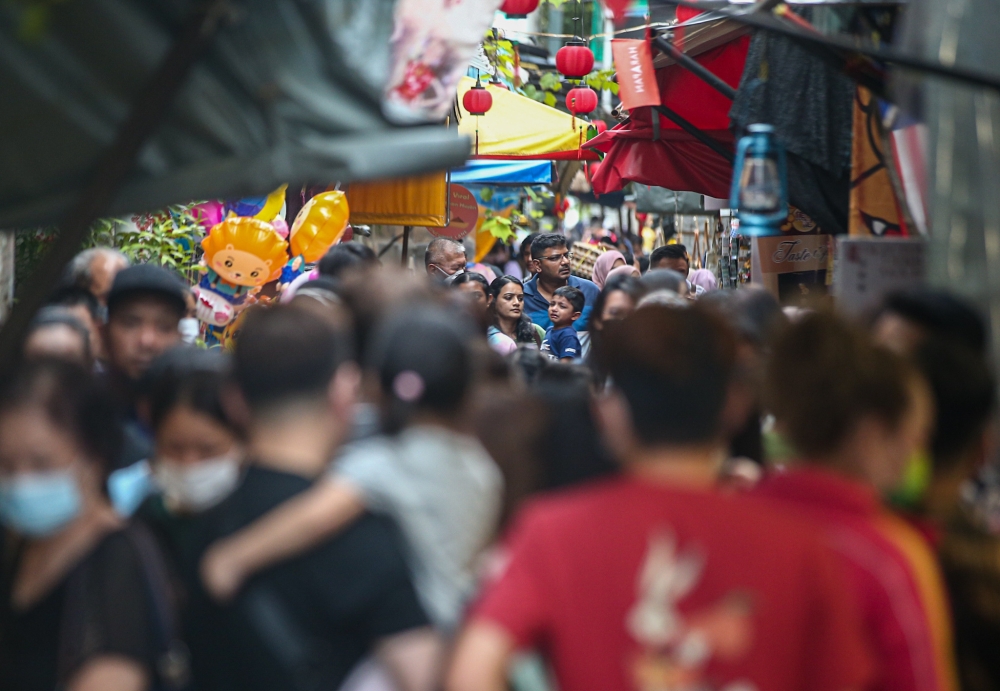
(561,342)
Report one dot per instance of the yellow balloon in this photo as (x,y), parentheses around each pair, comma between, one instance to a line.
(272,205)
(319,225)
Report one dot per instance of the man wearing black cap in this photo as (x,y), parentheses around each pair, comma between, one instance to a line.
(145,305)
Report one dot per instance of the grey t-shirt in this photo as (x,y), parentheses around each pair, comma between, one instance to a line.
(444,491)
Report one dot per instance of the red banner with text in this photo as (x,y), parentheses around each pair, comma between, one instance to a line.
(637,85)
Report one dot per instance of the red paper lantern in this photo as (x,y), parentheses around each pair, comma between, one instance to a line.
(600,126)
(574,60)
(581,100)
(477,100)
(518,9)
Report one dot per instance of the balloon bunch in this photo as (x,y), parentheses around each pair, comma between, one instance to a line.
(243,252)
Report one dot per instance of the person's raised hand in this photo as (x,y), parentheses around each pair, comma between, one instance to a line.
(221,571)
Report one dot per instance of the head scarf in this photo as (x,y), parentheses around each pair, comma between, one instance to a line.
(703,278)
(627,270)
(603,266)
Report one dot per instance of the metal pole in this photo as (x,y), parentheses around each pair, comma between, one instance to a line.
(714,145)
(147,112)
(695,67)
(406,246)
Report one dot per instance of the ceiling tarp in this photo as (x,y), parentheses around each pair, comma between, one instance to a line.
(288,92)
(486,172)
(521,128)
(676,160)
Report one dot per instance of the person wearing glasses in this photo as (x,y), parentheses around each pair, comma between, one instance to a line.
(444,258)
(551,258)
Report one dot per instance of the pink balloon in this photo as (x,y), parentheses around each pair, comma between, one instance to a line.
(209,213)
(280,226)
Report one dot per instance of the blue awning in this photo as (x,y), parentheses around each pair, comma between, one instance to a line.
(491,172)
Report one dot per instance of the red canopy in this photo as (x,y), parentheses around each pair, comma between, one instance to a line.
(677,160)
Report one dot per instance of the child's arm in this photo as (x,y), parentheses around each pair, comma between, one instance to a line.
(570,349)
(287,530)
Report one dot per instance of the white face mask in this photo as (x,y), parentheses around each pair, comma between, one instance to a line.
(197,486)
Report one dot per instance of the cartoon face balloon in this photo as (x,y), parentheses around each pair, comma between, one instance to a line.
(245,251)
(319,225)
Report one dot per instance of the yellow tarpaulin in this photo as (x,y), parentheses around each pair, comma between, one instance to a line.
(416,201)
(519,127)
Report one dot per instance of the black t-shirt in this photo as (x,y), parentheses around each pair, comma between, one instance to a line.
(309,620)
(110,617)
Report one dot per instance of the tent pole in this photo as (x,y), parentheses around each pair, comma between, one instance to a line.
(712,144)
(404,255)
(691,65)
(118,161)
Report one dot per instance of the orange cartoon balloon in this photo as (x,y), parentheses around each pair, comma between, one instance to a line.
(319,225)
(245,251)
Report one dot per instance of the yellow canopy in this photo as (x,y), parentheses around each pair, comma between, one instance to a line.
(519,127)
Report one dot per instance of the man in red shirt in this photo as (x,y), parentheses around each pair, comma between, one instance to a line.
(655,581)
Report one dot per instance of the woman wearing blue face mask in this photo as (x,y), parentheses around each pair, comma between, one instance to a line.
(82,598)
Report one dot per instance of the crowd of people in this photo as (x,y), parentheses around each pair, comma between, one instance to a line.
(473,480)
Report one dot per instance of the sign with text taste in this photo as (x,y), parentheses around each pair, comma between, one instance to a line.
(637,85)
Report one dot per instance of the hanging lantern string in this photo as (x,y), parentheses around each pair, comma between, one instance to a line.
(603,34)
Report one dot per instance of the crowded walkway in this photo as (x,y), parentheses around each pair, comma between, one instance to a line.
(393,480)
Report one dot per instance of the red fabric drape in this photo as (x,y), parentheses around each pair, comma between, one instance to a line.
(677,161)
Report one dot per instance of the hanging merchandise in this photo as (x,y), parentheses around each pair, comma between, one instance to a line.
(574,60)
(432,43)
(760,182)
(581,100)
(319,225)
(518,9)
(241,254)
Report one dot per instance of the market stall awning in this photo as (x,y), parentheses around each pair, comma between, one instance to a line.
(286,92)
(517,127)
(676,159)
(486,172)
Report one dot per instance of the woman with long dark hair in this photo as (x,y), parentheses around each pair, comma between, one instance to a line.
(510,323)
(83,601)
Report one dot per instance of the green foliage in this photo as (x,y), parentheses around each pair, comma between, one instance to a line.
(29,248)
(601,80)
(499,227)
(169,238)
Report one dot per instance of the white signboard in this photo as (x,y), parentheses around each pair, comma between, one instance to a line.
(866,269)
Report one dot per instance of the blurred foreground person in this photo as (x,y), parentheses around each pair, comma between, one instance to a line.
(82,598)
(84,306)
(968,534)
(307,622)
(94,270)
(475,294)
(437,481)
(654,580)
(907,319)
(855,415)
(198,463)
(145,306)
(56,334)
